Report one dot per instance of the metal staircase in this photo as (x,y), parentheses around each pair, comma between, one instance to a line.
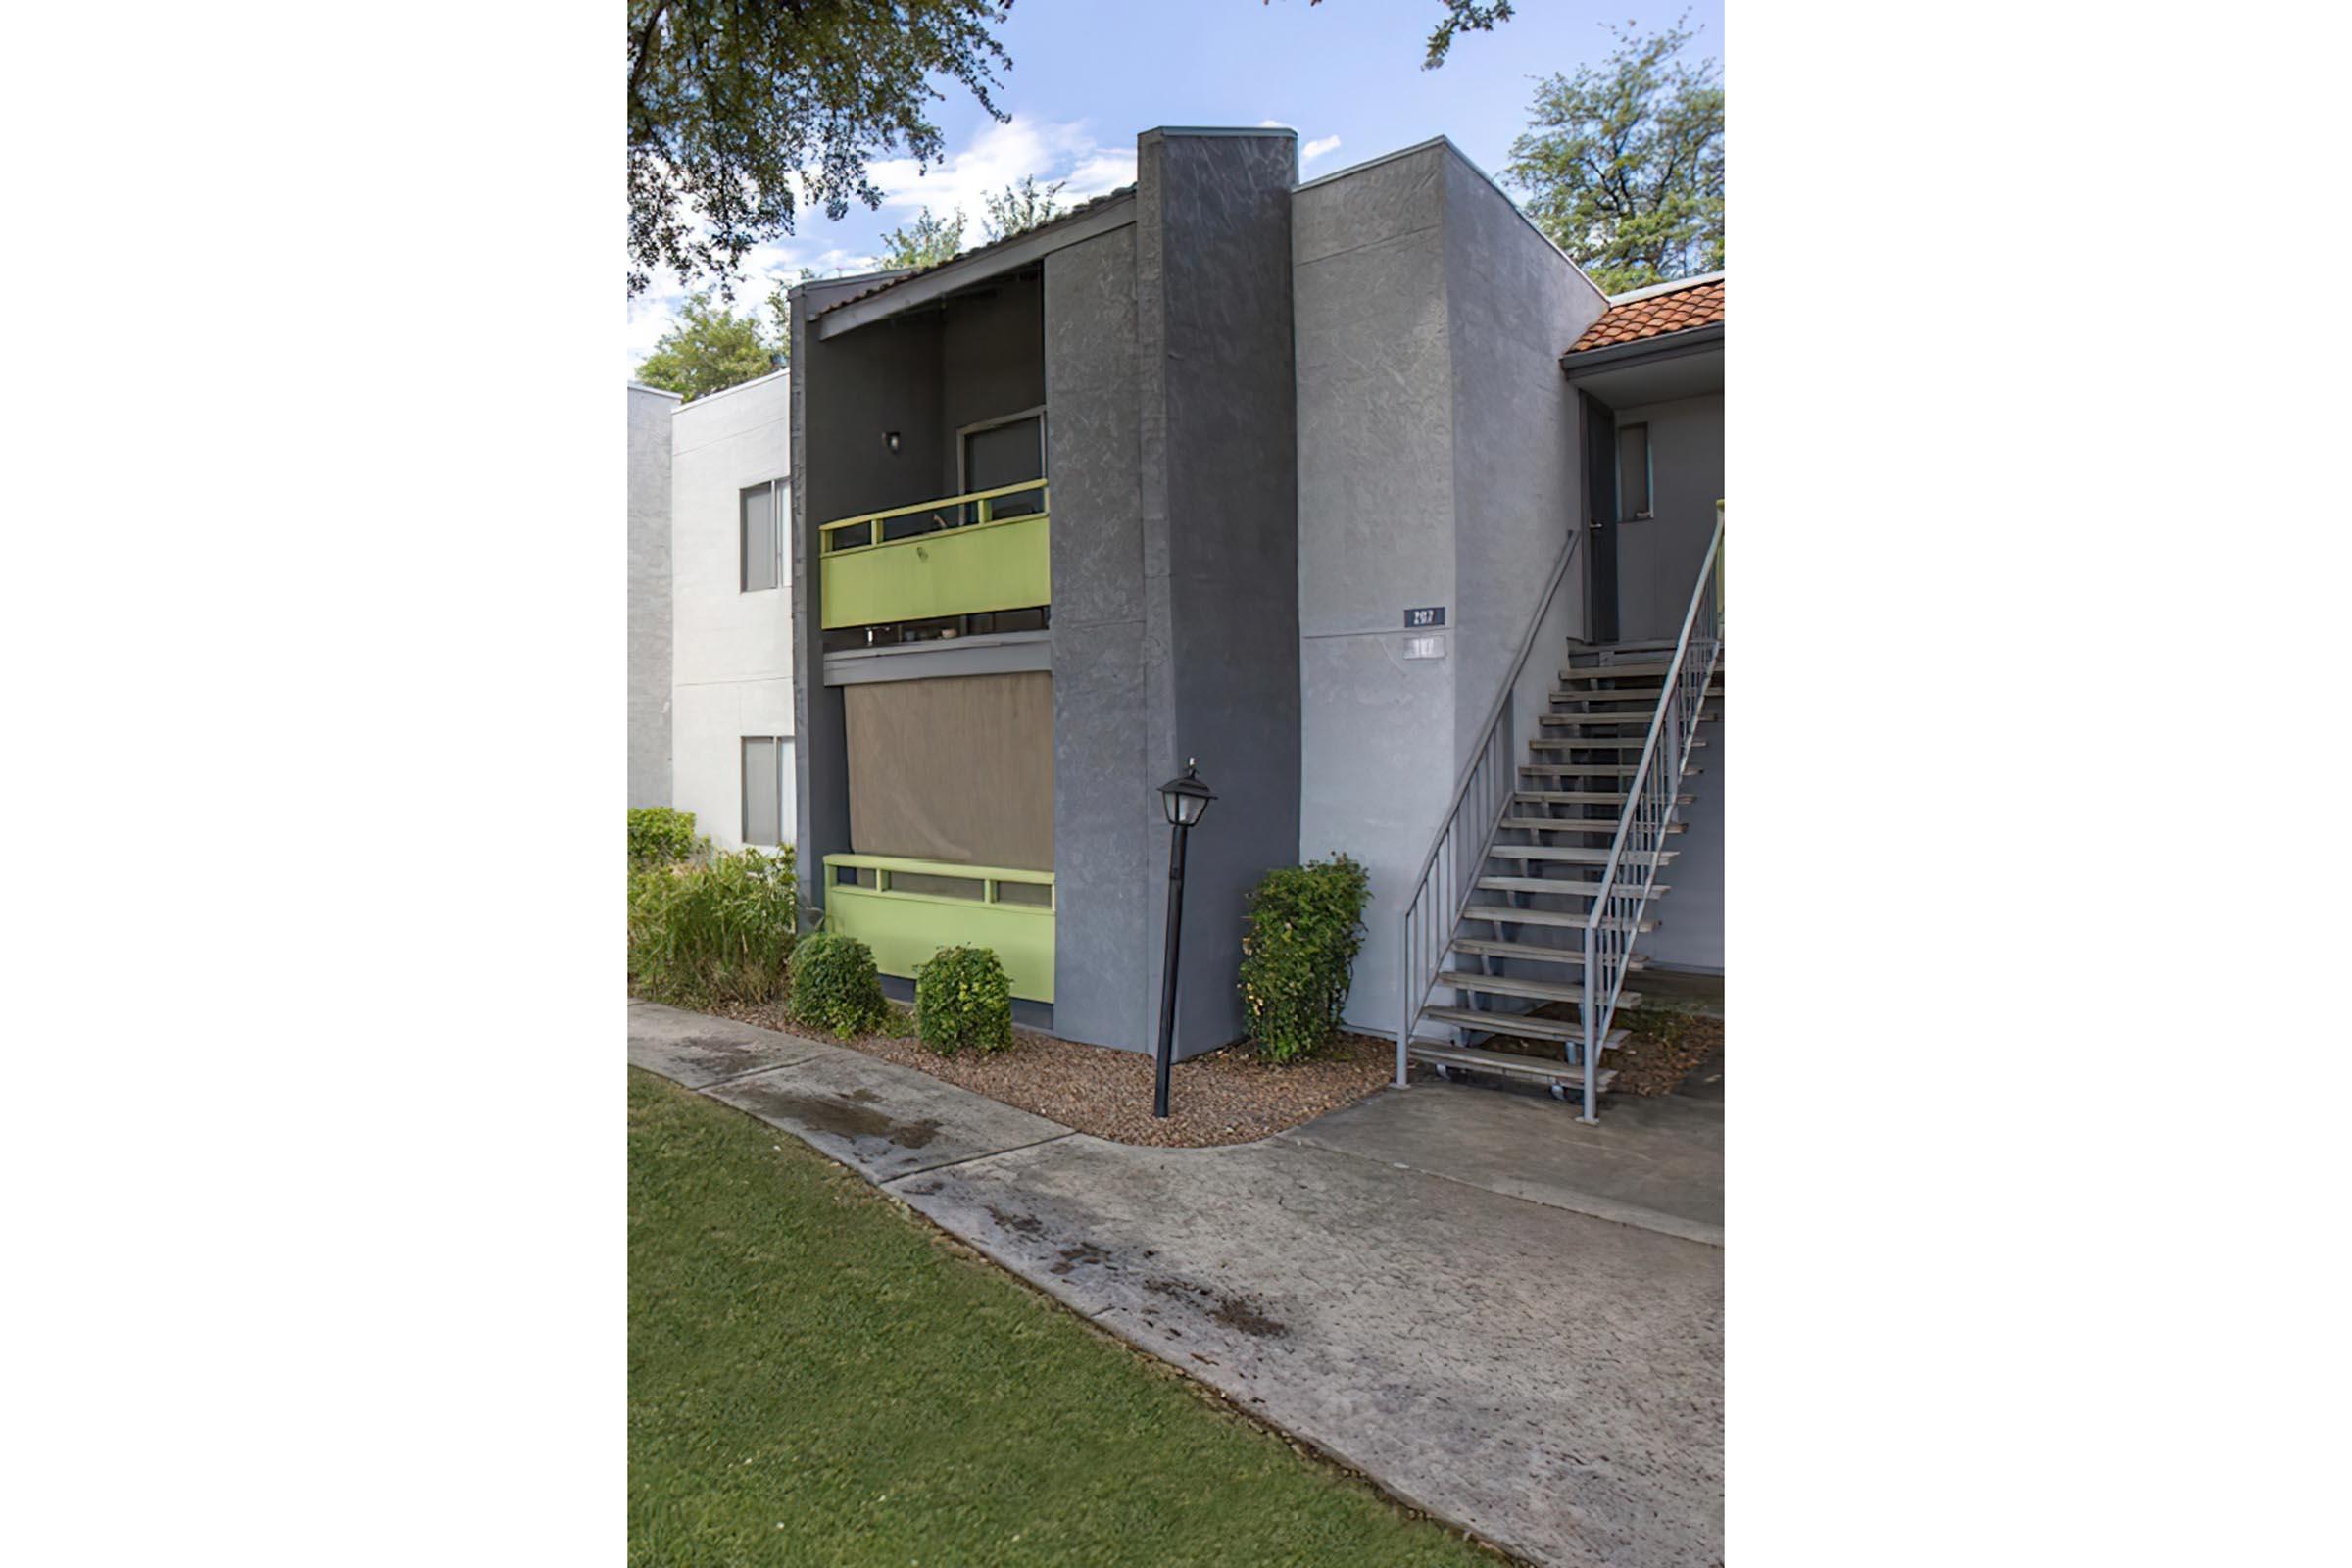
(1524,917)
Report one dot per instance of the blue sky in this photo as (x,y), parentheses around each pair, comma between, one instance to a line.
(1089,75)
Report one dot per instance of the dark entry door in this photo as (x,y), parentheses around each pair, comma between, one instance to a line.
(1601,514)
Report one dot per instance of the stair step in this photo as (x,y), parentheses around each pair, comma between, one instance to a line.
(1600,720)
(1594,770)
(1503,1064)
(1525,1025)
(1654,670)
(1534,952)
(1579,854)
(1578,797)
(1552,917)
(1498,985)
(1565,887)
(1599,743)
(1573,824)
(1625,694)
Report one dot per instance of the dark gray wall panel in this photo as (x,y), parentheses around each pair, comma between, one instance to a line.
(1102,878)
(1091,432)
(1106,816)
(1220,526)
(992,362)
(846,393)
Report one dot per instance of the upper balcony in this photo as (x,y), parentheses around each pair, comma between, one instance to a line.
(966,555)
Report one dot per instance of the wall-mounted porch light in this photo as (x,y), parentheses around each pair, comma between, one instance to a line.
(1185,801)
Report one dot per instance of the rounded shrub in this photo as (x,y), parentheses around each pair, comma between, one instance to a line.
(962,998)
(715,930)
(659,836)
(834,984)
(1298,945)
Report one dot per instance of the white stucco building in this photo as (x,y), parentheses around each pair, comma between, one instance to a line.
(731,728)
(650,411)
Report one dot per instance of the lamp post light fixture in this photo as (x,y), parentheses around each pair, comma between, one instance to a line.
(1186,801)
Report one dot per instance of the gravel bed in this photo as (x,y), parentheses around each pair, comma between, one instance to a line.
(1222,1096)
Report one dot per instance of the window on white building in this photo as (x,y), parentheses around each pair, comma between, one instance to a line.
(766,775)
(763,509)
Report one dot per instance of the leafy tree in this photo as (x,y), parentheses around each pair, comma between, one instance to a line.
(1020,207)
(926,242)
(1623,162)
(711,349)
(739,107)
(1461,16)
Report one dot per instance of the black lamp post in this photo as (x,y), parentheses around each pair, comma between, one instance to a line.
(1186,801)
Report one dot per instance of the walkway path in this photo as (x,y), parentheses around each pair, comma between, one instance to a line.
(1504,1359)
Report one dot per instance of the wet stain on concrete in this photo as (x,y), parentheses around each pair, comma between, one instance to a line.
(844,1118)
(1074,1256)
(1017,1224)
(1233,1311)
(715,1053)
(1239,1312)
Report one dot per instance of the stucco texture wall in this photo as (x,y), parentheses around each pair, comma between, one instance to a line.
(1218,483)
(649,410)
(733,658)
(1438,465)
(1101,815)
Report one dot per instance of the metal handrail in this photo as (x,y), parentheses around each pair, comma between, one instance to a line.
(872,521)
(1497,737)
(1615,917)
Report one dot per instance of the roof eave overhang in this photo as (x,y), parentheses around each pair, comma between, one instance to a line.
(926,288)
(1664,346)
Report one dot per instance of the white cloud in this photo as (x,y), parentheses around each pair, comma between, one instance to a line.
(1317,148)
(1001,156)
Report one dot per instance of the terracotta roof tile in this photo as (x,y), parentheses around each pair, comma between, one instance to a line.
(1674,311)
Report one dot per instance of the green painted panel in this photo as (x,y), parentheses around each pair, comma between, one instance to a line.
(959,571)
(906,928)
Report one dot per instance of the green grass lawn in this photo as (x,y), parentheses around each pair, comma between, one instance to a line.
(815,1376)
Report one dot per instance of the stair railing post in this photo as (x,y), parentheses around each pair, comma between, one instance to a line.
(1591,1038)
(1406,962)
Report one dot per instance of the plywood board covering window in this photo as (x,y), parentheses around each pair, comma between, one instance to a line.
(958,770)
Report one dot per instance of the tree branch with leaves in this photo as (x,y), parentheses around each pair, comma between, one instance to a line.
(710,348)
(1623,162)
(740,110)
(1461,16)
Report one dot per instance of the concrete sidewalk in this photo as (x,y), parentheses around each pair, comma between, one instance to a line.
(1504,1360)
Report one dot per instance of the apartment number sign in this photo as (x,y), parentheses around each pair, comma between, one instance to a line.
(1426,616)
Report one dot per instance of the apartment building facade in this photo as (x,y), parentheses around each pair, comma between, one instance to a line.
(1288,480)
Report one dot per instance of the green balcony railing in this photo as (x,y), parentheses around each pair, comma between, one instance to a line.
(908,910)
(957,556)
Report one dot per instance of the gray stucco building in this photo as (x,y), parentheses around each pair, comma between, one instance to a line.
(1285,478)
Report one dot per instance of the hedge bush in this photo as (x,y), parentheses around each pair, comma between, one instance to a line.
(834,985)
(962,998)
(1299,946)
(659,836)
(713,930)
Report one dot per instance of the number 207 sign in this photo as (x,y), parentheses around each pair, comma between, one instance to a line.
(1425,618)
